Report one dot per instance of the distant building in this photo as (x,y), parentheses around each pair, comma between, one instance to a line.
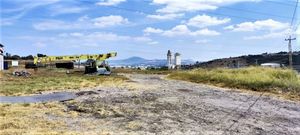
(272,65)
(1,57)
(169,60)
(176,64)
(177,61)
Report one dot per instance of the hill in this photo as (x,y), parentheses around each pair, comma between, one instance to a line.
(252,60)
(138,61)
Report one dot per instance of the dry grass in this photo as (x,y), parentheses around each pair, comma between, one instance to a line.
(43,118)
(278,81)
(29,119)
(53,79)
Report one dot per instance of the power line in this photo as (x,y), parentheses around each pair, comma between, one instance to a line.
(294,14)
(244,114)
(255,12)
(280,3)
(251,11)
(208,12)
(267,1)
(148,13)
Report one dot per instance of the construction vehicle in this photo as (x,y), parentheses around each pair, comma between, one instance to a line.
(93,63)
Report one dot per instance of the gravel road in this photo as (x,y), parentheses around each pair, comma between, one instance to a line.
(178,107)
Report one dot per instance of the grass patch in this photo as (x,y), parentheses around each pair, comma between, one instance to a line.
(278,81)
(30,119)
(53,79)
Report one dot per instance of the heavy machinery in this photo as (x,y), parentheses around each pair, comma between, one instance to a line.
(93,63)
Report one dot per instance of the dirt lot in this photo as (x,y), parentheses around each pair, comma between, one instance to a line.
(175,107)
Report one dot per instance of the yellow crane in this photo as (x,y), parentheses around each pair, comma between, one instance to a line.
(94,63)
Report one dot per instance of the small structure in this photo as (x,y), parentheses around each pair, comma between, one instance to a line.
(1,57)
(272,65)
(173,64)
(14,63)
(169,60)
(177,61)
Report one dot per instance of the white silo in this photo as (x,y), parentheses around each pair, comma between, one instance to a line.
(169,59)
(177,61)
(1,57)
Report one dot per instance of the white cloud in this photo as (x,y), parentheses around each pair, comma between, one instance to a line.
(6,22)
(270,35)
(149,30)
(201,41)
(202,21)
(109,2)
(181,30)
(175,6)
(39,45)
(153,43)
(142,39)
(60,9)
(26,5)
(165,16)
(177,30)
(111,20)
(88,39)
(82,23)
(20,8)
(230,27)
(269,24)
(76,34)
(205,32)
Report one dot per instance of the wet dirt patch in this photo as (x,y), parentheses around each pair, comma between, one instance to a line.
(84,93)
(58,96)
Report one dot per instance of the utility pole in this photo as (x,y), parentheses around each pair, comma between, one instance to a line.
(256,62)
(290,37)
(290,50)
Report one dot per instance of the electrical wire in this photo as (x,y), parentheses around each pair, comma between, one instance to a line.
(294,14)
(280,3)
(255,12)
(208,12)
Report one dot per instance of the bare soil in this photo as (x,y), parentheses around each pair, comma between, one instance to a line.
(178,107)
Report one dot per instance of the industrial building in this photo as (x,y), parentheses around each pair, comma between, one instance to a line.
(1,57)
(173,64)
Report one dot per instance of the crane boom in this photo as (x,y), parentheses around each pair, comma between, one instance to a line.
(96,57)
(95,63)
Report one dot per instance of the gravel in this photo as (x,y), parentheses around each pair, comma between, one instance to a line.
(178,107)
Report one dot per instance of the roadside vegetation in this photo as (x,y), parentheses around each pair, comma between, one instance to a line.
(31,119)
(45,119)
(285,82)
(53,79)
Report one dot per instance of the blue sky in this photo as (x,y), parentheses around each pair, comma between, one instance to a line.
(199,29)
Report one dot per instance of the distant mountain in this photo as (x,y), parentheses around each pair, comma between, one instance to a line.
(138,61)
